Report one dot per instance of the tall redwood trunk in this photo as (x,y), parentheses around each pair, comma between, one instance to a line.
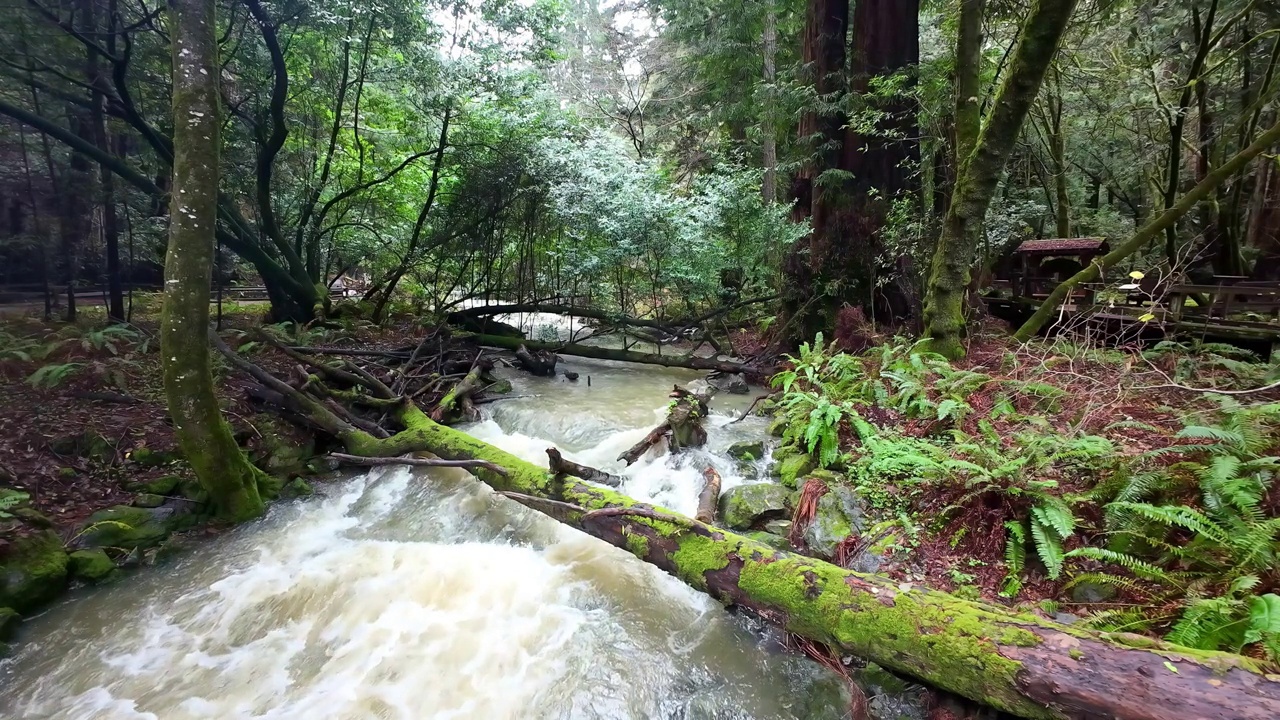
(851,180)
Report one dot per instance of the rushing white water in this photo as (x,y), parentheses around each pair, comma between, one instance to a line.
(413,595)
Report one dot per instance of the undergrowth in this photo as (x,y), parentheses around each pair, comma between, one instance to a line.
(1000,463)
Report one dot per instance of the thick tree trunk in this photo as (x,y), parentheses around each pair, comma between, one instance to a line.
(692,362)
(1166,219)
(204,436)
(980,174)
(854,178)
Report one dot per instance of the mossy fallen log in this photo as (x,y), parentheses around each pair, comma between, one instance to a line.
(1021,664)
(692,362)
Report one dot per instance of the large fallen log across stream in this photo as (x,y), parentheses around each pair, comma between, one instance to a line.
(692,362)
(1021,664)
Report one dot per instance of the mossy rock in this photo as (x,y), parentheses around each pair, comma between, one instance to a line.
(166,485)
(791,468)
(126,528)
(32,517)
(88,444)
(501,386)
(148,500)
(782,452)
(191,489)
(747,470)
(840,514)
(34,572)
(172,549)
(778,527)
(149,458)
(748,450)
(92,565)
(777,542)
(283,450)
(296,488)
(778,427)
(1088,592)
(10,619)
(743,506)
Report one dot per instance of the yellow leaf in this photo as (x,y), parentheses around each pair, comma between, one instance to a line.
(1146,317)
(1136,275)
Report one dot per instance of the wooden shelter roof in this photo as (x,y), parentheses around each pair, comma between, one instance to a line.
(1063,245)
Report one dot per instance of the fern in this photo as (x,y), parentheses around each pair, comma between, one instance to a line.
(10,499)
(51,376)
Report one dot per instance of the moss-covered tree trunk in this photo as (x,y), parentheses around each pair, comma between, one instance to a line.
(1021,664)
(1148,232)
(980,173)
(205,437)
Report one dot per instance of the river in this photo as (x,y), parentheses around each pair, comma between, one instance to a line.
(400,594)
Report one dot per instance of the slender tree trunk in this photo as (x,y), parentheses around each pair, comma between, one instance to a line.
(968,79)
(102,137)
(980,174)
(1204,43)
(1264,221)
(769,128)
(1145,234)
(204,435)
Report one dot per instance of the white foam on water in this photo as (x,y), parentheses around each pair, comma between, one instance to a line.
(411,595)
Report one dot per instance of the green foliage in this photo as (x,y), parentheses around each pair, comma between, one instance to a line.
(10,499)
(51,376)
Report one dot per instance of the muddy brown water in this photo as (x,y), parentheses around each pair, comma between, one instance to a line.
(403,594)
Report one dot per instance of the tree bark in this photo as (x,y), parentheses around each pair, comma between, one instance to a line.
(768,127)
(693,362)
(1166,219)
(980,173)
(203,434)
(709,498)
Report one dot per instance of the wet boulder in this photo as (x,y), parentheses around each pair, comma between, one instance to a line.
(33,572)
(93,565)
(777,542)
(732,383)
(126,528)
(744,506)
(840,514)
(748,450)
(790,464)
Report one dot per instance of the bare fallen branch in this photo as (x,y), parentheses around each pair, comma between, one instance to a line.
(417,462)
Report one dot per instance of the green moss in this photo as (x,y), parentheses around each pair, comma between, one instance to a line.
(34,572)
(638,545)
(1076,653)
(10,619)
(699,554)
(124,527)
(793,467)
(93,565)
(160,486)
(778,427)
(743,506)
(748,450)
(148,500)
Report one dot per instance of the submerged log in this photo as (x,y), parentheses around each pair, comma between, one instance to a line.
(1018,663)
(536,362)
(709,498)
(693,362)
